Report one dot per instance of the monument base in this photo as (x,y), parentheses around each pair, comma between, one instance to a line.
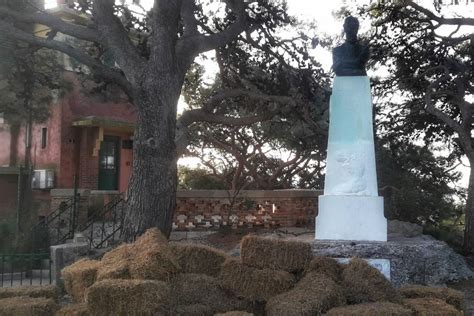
(351,217)
(421,260)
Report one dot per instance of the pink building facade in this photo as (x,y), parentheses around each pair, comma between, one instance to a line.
(84,137)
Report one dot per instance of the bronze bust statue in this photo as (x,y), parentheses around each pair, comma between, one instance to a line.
(350,58)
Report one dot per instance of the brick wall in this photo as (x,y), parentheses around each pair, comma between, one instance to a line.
(88,164)
(211,209)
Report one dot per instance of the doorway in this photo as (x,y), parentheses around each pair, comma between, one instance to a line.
(109,163)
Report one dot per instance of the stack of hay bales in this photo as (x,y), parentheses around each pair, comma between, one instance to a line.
(29,300)
(272,277)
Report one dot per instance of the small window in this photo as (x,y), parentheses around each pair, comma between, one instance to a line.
(44,137)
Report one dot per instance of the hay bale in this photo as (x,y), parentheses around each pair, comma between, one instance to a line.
(128,297)
(193,310)
(363,284)
(115,264)
(430,307)
(151,236)
(377,308)
(28,306)
(315,294)
(201,289)
(73,310)
(254,284)
(450,296)
(47,291)
(78,277)
(327,266)
(235,313)
(199,259)
(275,254)
(151,258)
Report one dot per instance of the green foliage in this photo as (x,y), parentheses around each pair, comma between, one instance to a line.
(7,233)
(422,183)
(198,179)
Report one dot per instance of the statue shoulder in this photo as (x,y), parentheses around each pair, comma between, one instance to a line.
(338,49)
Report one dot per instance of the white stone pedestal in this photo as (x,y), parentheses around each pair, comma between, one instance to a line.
(350,208)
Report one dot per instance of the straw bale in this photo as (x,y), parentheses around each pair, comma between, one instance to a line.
(431,307)
(151,236)
(275,254)
(27,306)
(128,297)
(363,283)
(377,308)
(252,283)
(327,266)
(193,310)
(115,264)
(152,261)
(235,313)
(73,310)
(47,291)
(315,294)
(199,259)
(78,277)
(191,289)
(450,296)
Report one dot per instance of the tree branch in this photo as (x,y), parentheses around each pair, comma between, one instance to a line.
(95,66)
(440,19)
(77,31)
(204,42)
(115,38)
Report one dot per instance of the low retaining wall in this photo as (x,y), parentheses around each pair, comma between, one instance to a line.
(215,208)
(211,209)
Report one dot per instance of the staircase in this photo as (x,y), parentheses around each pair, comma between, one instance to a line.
(102,229)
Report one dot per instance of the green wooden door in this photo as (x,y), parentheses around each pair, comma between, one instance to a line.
(109,163)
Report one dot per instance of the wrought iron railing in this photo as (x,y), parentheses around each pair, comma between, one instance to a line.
(104,227)
(25,269)
(60,224)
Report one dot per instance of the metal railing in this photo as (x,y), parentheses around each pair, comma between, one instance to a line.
(25,269)
(104,227)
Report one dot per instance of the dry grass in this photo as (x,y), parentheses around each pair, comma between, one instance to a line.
(199,259)
(73,310)
(128,297)
(151,236)
(254,284)
(78,277)
(450,296)
(149,257)
(363,283)
(193,310)
(28,306)
(378,308)
(275,254)
(235,313)
(315,294)
(47,291)
(152,261)
(201,289)
(115,263)
(326,266)
(430,307)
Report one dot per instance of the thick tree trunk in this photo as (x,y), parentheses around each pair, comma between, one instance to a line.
(469,213)
(151,196)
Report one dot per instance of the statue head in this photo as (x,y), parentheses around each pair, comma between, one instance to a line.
(351,27)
